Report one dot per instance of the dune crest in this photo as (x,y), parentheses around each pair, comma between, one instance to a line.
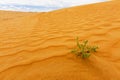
(36,46)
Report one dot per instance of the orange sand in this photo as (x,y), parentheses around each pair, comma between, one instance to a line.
(36,46)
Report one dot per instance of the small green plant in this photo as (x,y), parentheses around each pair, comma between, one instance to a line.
(83,49)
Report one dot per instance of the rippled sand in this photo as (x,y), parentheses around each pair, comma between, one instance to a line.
(36,46)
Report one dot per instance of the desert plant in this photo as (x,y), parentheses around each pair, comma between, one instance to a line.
(83,49)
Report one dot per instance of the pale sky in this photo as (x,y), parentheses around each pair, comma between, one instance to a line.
(11,4)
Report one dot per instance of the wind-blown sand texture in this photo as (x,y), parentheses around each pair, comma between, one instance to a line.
(36,46)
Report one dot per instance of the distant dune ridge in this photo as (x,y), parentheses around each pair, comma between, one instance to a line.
(36,46)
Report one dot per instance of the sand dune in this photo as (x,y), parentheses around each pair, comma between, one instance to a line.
(36,46)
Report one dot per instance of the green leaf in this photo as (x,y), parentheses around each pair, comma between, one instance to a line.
(74,51)
(78,44)
(85,42)
(86,55)
(94,49)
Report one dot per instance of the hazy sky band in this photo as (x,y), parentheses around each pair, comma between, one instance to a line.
(27,8)
(42,5)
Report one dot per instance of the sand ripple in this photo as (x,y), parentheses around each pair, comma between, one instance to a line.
(36,46)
